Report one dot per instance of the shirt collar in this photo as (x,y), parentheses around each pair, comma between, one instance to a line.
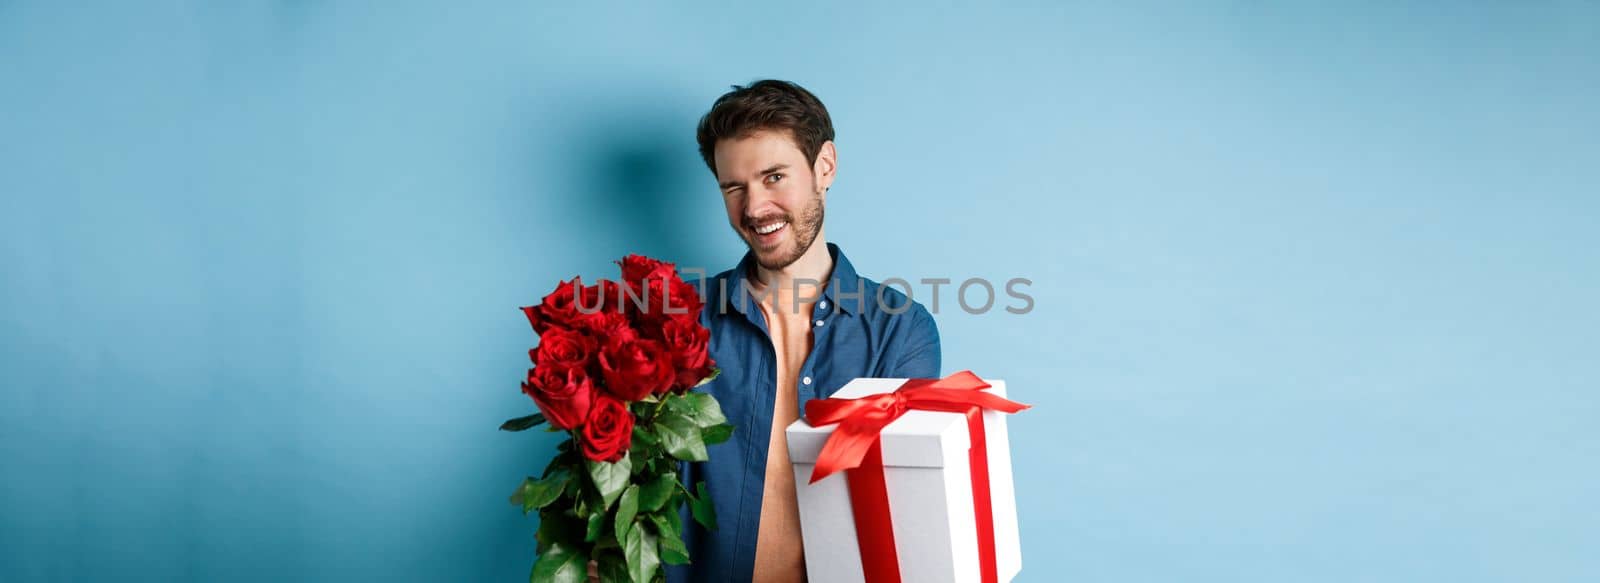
(843,281)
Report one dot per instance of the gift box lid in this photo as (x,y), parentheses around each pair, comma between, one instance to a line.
(917,439)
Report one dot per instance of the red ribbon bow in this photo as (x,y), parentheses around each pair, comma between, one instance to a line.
(854,446)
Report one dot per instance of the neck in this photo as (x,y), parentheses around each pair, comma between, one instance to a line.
(811,271)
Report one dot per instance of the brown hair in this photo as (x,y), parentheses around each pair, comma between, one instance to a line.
(768,104)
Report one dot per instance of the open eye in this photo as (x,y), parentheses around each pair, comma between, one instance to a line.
(774,177)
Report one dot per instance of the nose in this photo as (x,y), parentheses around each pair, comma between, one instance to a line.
(758,202)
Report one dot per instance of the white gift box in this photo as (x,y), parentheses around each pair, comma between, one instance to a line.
(929,481)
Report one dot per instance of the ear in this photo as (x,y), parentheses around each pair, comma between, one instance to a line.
(826,165)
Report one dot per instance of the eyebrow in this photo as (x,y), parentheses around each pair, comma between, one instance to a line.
(771,169)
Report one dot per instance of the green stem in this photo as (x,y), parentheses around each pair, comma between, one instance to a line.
(659,403)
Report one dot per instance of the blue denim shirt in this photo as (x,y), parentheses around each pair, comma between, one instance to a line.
(860,329)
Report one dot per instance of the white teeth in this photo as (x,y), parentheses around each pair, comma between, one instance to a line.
(770,228)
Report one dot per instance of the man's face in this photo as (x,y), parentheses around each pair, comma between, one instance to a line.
(774,198)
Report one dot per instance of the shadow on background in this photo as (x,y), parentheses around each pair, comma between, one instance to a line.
(640,178)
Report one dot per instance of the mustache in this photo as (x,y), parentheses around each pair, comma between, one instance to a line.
(751,222)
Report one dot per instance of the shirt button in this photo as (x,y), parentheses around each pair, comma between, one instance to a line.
(823,304)
(819,322)
(806,380)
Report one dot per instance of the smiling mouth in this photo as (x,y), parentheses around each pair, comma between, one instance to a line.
(769,228)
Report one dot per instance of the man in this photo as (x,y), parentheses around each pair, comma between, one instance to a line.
(792,322)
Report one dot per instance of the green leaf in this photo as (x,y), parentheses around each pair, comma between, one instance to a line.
(716,434)
(639,548)
(681,437)
(715,372)
(700,507)
(640,409)
(610,478)
(581,507)
(520,493)
(673,518)
(522,423)
(592,502)
(627,508)
(560,564)
(673,552)
(540,493)
(704,409)
(646,455)
(567,457)
(639,434)
(558,527)
(612,568)
(596,522)
(653,495)
(574,488)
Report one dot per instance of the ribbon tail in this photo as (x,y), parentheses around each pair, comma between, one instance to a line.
(869,504)
(982,498)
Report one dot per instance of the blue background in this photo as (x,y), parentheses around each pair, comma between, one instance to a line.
(1315,286)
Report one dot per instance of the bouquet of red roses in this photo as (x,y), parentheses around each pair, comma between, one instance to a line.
(616,368)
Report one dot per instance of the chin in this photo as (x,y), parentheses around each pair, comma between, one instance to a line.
(768,253)
(775,259)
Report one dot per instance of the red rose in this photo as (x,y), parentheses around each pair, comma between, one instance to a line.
(600,312)
(608,432)
(687,342)
(635,268)
(562,349)
(602,297)
(635,368)
(564,396)
(685,301)
(667,298)
(558,308)
(604,325)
